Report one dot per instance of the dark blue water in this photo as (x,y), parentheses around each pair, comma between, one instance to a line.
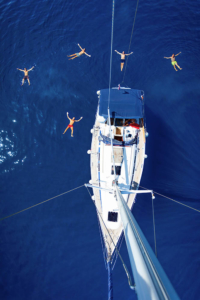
(53,251)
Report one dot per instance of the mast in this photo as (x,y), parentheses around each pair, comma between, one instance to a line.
(151,282)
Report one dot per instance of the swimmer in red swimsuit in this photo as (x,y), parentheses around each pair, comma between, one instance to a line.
(25,74)
(71,123)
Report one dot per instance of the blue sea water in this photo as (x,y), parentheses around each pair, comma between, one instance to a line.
(53,251)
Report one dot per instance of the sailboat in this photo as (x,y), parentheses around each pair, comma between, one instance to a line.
(128,138)
(116,160)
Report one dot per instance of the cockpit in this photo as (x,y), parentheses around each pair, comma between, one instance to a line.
(124,130)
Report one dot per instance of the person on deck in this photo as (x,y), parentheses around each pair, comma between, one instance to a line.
(78,54)
(71,124)
(133,123)
(173,61)
(123,56)
(25,74)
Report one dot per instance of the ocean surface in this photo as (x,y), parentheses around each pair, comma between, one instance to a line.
(53,251)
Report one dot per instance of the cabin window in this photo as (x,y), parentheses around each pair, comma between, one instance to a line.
(118,122)
(112,216)
(112,121)
(117,170)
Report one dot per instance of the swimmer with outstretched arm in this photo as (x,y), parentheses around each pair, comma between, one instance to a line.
(71,123)
(75,55)
(173,61)
(26,74)
(123,56)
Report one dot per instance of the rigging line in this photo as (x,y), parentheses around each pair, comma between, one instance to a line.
(119,246)
(131,39)
(172,199)
(125,268)
(40,203)
(113,16)
(111,47)
(154,228)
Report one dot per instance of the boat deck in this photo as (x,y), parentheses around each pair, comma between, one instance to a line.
(94,166)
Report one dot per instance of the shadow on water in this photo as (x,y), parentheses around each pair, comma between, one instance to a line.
(170,169)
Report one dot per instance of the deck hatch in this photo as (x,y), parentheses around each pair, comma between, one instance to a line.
(117,170)
(112,216)
(118,155)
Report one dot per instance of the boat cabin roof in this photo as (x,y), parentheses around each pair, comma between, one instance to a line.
(124,103)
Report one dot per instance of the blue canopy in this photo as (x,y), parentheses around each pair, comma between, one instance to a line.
(124,103)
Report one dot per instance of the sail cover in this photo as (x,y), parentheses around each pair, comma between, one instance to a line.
(124,103)
(106,140)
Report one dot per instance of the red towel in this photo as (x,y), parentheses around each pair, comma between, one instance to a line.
(135,125)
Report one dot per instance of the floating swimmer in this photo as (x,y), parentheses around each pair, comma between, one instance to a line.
(174,62)
(26,75)
(123,56)
(78,54)
(71,123)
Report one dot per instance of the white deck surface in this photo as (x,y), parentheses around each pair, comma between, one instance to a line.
(130,158)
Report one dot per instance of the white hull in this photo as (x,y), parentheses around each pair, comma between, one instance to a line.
(129,162)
